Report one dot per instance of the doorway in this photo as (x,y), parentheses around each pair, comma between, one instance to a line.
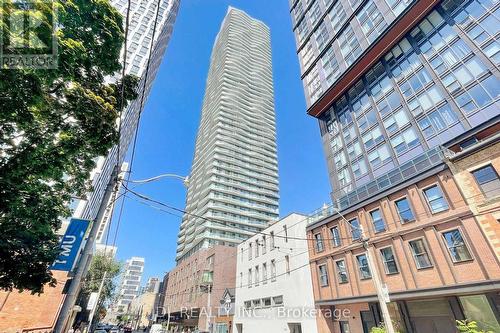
(431,316)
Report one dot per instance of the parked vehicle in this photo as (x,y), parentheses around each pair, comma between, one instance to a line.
(156,328)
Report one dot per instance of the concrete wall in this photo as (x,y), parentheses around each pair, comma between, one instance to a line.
(295,286)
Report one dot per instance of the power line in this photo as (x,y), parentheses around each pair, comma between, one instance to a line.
(266,234)
(134,144)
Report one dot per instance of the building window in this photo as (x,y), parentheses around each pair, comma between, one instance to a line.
(271,240)
(323,275)
(344,327)
(405,141)
(321,36)
(307,55)
(264,245)
(341,271)
(420,254)
(302,30)
(435,199)
(266,302)
(250,251)
(364,269)
(371,20)
(373,137)
(314,84)
(337,16)
(404,210)
(247,304)
(278,301)
(488,180)
(336,236)
(273,270)
(318,241)
(355,229)
(389,261)
(249,278)
(256,303)
(264,273)
(330,66)
(287,263)
(286,233)
(378,221)
(314,13)
(379,156)
(456,246)
(437,121)
(349,45)
(256,248)
(257,275)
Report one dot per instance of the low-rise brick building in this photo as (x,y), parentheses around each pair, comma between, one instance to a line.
(434,240)
(187,292)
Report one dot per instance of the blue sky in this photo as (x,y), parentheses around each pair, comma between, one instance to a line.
(170,120)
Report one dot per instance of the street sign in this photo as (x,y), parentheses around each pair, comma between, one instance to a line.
(70,245)
(92,301)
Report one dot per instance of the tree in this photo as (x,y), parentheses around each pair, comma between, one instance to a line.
(53,124)
(101,263)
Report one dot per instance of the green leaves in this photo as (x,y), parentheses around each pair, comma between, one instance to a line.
(53,124)
(466,326)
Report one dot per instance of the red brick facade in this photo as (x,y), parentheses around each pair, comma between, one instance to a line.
(24,312)
(444,277)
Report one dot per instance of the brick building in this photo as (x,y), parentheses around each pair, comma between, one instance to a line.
(481,158)
(32,313)
(434,241)
(394,86)
(187,293)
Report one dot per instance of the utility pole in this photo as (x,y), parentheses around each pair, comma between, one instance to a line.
(382,293)
(85,257)
(209,309)
(101,286)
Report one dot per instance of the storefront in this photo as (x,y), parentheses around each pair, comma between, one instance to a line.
(429,315)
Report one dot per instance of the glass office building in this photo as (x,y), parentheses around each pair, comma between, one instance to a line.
(391,81)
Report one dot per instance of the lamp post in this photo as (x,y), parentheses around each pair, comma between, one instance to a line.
(185,179)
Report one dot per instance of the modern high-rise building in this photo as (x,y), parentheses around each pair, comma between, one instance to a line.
(143,14)
(390,81)
(405,92)
(233,186)
(130,285)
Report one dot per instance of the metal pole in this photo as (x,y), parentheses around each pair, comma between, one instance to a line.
(81,270)
(168,318)
(92,313)
(381,291)
(209,304)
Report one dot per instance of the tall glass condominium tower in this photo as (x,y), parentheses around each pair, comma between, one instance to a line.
(142,17)
(391,81)
(233,188)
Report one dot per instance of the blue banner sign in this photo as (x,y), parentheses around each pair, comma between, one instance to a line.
(70,245)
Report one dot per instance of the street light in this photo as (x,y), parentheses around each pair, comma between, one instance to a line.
(185,179)
(382,292)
